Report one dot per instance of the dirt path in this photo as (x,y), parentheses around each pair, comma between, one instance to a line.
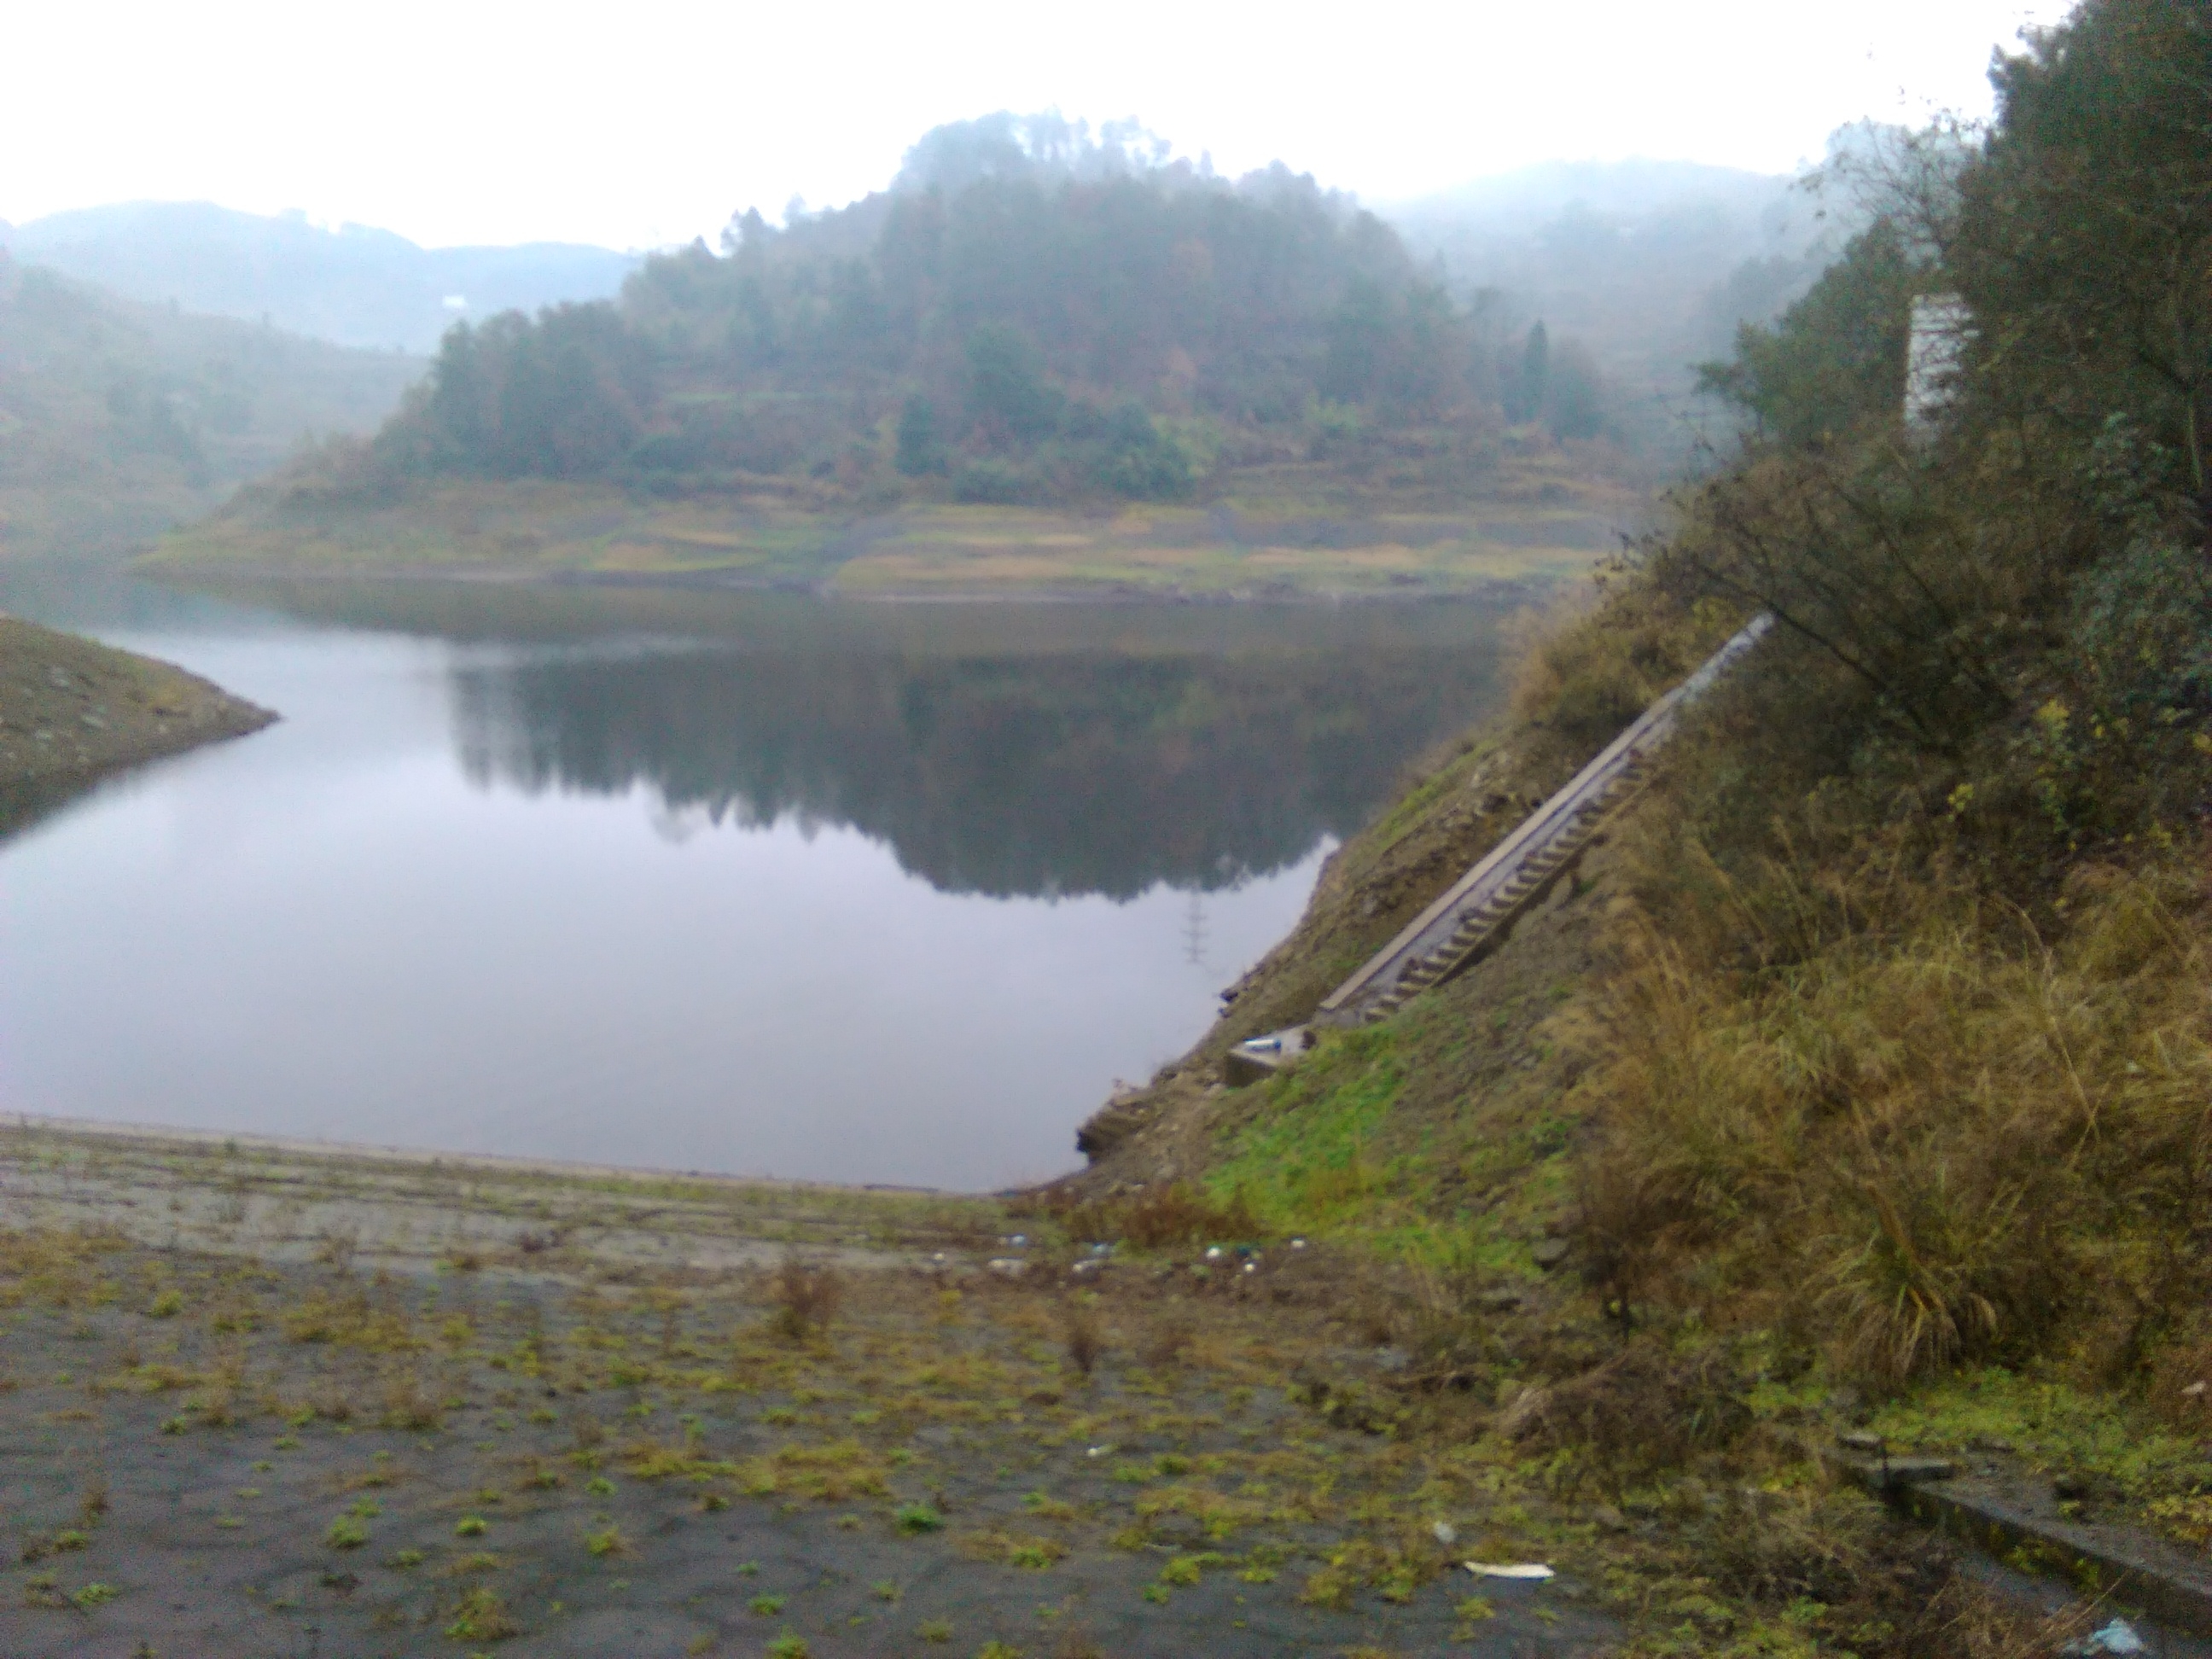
(584,1415)
(72,712)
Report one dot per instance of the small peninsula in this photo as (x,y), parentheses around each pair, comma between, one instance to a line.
(73,712)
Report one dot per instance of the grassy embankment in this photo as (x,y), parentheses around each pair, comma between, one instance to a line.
(1285,533)
(1859,1082)
(73,712)
(1705,1167)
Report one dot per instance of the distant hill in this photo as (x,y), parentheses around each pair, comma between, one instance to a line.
(1029,314)
(1523,202)
(119,420)
(354,286)
(1651,264)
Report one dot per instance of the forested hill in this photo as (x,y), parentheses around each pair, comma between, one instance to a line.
(1029,311)
(119,420)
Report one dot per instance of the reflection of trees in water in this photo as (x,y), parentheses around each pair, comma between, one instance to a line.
(1056,772)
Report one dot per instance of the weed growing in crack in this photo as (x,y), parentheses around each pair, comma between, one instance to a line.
(805,1298)
(1085,1337)
(482,1616)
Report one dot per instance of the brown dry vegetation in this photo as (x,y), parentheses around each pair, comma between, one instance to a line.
(1944,1138)
(805,1296)
(1532,522)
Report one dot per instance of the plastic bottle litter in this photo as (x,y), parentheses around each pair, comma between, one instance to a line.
(1531,1570)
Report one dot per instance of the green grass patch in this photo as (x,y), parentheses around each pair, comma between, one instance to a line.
(1306,1163)
(2052,1427)
(919,1518)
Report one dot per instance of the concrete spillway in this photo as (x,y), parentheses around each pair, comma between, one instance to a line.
(1472,913)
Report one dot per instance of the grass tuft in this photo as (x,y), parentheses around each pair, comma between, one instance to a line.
(805,1297)
(916,1518)
(482,1616)
(1084,1335)
(1160,1218)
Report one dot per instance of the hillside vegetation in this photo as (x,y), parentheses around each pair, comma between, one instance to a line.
(117,420)
(1028,314)
(1041,360)
(1860,1078)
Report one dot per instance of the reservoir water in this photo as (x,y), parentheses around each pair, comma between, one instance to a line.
(758,885)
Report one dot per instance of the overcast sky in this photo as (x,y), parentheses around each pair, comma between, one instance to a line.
(647,122)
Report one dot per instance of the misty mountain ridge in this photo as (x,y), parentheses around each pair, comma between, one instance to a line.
(355,285)
(1653,264)
(1642,266)
(1527,197)
(119,419)
(1032,310)
(1530,234)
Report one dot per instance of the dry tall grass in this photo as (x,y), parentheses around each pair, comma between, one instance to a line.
(805,1297)
(1922,1134)
(1580,675)
(1160,1218)
(1085,1335)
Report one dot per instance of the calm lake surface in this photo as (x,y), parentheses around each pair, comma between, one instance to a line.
(761,884)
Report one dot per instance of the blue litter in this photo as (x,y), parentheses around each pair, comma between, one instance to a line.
(2119,1636)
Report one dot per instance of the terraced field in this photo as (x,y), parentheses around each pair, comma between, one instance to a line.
(1263,545)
